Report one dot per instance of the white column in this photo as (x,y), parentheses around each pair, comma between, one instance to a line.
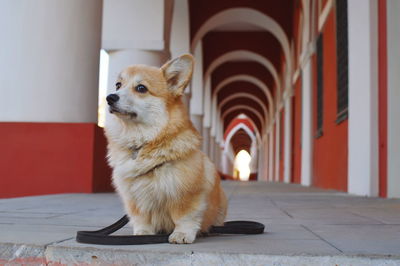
(307,125)
(180,31)
(219,134)
(139,24)
(217,156)
(288,139)
(49,63)
(271,154)
(207,115)
(180,36)
(262,159)
(196,102)
(363,98)
(254,156)
(212,147)
(393,41)
(197,121)
(207,102)
(260,169)
(215,117)
(266,156)
(224,163)
(206,140)
(277,145)
(231,160)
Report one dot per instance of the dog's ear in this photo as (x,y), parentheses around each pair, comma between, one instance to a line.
(178,73)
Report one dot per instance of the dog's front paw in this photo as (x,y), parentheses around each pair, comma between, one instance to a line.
(182,238)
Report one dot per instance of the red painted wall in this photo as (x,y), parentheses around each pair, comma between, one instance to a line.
(282,147)
(331,149)
(382,74)
(47,158)
(296,136)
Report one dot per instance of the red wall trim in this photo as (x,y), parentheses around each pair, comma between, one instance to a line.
(48,158)
(382,76)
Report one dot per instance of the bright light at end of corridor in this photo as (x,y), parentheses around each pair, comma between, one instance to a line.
(242,165)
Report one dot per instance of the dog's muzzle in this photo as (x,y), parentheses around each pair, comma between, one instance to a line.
(112,99)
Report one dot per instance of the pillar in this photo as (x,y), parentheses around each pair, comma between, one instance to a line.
(307,125)
(49,75)
(207,115)
(393,37)
(363,98)
(50,79)
(180,36)
(271,154)
(288,139)
(206,140)
(277,145)
(196,101)
(217,156)
(212,147)
(265,161)
(254,153)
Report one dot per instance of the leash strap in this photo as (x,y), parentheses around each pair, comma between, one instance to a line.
(103,237)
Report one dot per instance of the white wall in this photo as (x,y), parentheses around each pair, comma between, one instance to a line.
(393,40)
(49,60)
(363,98)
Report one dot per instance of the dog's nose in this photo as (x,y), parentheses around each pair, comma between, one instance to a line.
(112,98)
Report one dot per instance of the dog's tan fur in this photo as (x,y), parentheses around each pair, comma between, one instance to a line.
(171,186)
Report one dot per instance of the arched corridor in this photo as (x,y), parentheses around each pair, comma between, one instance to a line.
(306,87)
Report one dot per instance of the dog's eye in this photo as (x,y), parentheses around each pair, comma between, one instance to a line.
(141,88)
(118,85)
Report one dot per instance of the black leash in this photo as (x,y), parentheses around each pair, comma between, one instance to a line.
(102,236)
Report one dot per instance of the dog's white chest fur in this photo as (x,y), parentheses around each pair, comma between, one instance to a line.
(153,193)
(153,190)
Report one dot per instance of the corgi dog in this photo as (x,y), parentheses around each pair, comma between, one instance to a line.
(165,182)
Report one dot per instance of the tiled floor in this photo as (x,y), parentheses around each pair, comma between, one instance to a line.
(303,226)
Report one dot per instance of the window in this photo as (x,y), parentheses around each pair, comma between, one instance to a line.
(342,60)
(320,85)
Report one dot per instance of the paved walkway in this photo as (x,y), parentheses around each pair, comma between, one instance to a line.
(304,226)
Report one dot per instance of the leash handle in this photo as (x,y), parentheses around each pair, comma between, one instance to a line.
(238,228)
(103,237)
